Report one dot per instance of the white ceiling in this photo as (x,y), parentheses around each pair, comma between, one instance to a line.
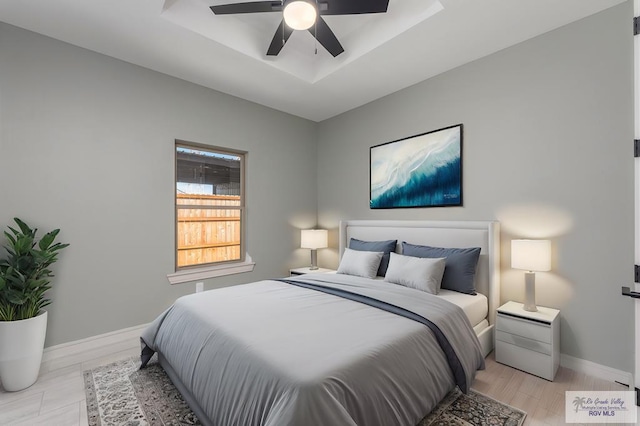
(413,41)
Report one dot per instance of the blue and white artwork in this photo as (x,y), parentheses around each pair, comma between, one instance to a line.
(420,171)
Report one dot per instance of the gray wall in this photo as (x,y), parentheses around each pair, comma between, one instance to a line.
(86,145)
(548,130)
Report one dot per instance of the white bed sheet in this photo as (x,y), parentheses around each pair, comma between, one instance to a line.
(475,307)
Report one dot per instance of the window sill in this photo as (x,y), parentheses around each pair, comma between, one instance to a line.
(212,271)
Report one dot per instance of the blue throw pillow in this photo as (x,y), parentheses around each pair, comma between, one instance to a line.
(383,246)
(460,264)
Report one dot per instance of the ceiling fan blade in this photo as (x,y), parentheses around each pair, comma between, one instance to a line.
(326,37)
(279,39)
(352,7)
(249,7)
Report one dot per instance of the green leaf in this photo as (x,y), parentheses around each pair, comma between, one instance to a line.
(15,231)
(23,227)
(58,246)
(10,237)
(48,239)
(23,244)
(16,297)
(16,279)
(32,284)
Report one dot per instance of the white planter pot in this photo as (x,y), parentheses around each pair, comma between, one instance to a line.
(21,346)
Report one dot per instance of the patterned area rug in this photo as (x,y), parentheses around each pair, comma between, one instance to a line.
(473,409)
(120,394)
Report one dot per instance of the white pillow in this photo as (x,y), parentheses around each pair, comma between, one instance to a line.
(360,263)
(416,272)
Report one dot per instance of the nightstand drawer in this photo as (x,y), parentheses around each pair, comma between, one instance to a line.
(523,359)
(524,328)
(523,342)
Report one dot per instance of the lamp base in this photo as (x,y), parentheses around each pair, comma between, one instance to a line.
(314,260)
(530,292)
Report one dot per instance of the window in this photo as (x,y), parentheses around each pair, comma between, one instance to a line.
(209,206)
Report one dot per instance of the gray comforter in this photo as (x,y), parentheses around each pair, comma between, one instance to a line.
(275,354)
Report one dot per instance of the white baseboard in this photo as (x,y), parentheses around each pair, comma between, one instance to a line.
(126,336)
(596,370)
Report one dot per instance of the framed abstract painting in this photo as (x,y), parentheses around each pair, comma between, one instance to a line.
(424,170)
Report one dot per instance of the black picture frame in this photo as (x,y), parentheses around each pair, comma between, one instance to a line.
(423,170)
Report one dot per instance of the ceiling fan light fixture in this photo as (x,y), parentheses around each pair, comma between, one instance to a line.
(300,15)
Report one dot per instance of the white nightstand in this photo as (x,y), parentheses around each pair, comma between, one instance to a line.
(302,271)
(528,341)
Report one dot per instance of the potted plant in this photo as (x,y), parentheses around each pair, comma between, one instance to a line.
(24,281)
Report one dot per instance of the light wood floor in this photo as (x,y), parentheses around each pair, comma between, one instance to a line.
(58,399)
(543,401)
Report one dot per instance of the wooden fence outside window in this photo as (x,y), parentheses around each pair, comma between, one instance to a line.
(207,231)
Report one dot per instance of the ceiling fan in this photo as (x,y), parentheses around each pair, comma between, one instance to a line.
(305,15)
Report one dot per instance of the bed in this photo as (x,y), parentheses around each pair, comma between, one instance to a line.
(483,234)
(330,349)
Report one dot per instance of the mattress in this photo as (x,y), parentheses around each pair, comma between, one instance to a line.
(479,328)
(274,354)
(475,307)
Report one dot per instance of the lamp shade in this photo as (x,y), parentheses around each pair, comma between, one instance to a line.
(531,255)
(300,14)
(314,238)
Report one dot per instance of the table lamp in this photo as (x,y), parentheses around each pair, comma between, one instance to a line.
(530,255)
(314,239)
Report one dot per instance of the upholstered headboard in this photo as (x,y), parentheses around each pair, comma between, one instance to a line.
(483,234)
